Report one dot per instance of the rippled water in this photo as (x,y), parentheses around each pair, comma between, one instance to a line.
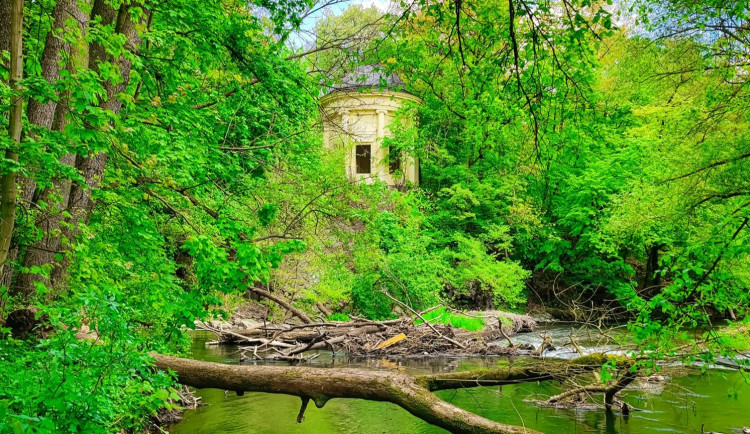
(718,401)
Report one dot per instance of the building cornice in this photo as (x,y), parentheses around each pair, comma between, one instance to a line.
(349,95)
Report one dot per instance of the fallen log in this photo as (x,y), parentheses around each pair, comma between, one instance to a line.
(411,393)
(323,309)
(424,321)
(323,384)
(297,333)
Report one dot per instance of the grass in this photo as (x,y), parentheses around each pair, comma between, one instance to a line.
(443,316)
(736,337)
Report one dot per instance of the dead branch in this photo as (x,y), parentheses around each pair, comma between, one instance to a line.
(502,332)
(609,391)
(546,344)
(323,309)
(572,341)
(283,303)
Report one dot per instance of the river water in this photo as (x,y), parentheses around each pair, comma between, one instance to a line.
(718,400)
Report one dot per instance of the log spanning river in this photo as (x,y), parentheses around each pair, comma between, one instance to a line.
(718,401)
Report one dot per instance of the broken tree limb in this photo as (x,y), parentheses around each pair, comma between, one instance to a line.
(323,384)
(609,390)
(298,332)
(518,372)
(587,389)
(303,407)
(502,332)
(546,344)
(623,382)
(246,339)
(572,341)
(283,303)
(323,309)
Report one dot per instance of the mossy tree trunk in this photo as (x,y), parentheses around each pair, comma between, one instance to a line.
(8,180)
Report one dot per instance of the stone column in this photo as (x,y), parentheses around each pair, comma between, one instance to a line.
(380,152)
(351,158)
(345,121)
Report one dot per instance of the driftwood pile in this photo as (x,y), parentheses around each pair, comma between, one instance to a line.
(404,337)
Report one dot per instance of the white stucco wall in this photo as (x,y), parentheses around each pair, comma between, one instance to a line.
(362,118)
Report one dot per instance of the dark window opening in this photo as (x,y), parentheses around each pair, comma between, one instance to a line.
(394,160)
(363,158)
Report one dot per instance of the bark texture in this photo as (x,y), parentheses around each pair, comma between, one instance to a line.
(8,182)
(321,385)
(92,165)
(4,29)
(518,372)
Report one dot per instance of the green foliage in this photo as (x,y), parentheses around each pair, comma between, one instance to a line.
(348,36)
(169,231)
(78,386)
(92,371)
(339,316)
(442,315)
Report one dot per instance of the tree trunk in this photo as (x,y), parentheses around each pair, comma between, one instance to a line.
(411,393)
(650,277)
(43,113)
(51,115)
(4,30)
(39,113)
(623,382)
(8,182)
(323,384)
(5,12)
(92,166)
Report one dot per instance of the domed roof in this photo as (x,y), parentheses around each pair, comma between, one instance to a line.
(369,76)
